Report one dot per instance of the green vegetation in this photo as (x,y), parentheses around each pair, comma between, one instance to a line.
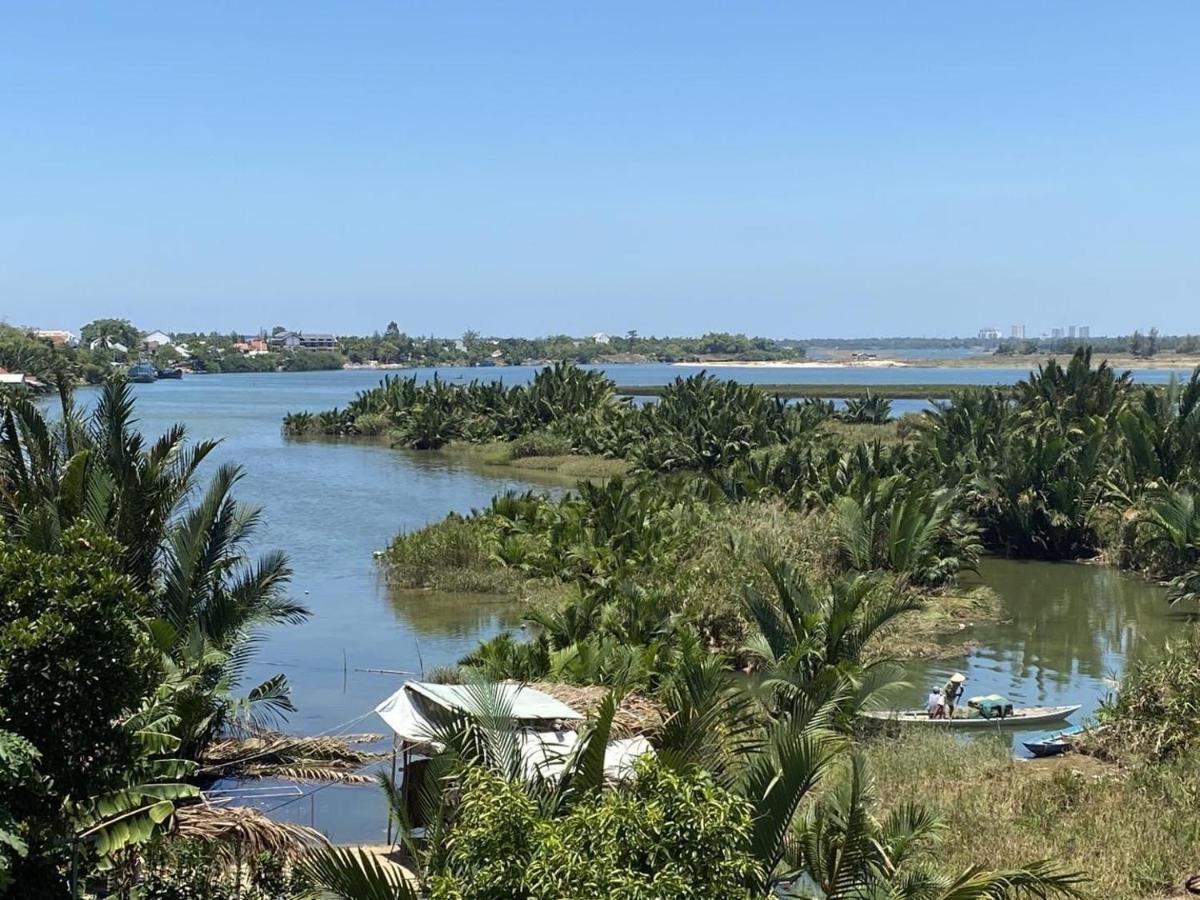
(752,537)
(827,391)
(1131,831)
(746,577)
(129,609)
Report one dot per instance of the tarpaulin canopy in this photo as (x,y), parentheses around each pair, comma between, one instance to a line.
(405,711)
(538,718)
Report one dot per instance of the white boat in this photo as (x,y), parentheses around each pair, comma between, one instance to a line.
(1021,716)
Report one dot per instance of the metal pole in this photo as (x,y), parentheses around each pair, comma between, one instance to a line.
(389,818)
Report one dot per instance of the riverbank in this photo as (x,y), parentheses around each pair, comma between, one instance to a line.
(507,454)
(826,391)
(1030,362)
(1133,832)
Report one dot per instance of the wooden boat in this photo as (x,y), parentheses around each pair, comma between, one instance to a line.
(169,374)
(1021,717)
(1052,744)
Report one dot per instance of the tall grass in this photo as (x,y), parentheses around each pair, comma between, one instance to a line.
(1134,833)
(450,555)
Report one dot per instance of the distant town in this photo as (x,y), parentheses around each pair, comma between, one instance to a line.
(33,355)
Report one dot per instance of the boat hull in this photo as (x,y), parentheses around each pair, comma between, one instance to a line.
(1028,715)
(1042,749)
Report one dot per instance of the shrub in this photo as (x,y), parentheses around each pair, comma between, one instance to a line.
(450,555)
(541,443)
(1156,713)
(666,836)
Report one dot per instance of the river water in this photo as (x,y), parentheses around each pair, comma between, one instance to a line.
(330,504)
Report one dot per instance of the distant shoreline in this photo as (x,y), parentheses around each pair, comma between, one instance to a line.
(798,364)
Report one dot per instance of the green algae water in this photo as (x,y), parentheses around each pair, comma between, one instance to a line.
(331,504)
(1068,632)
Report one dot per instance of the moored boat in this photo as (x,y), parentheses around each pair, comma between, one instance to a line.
(142,373)
(1021,716)
(1053,744)
(170,374)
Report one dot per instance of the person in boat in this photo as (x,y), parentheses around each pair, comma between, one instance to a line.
(953,691)
(936,704)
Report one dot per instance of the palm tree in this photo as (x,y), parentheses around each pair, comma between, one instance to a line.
(903,526)
(98,468)
(811,644)
(210,601)
(208,597)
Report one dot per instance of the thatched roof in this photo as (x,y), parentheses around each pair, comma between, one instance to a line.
(637,715)
(242,831)
(274,755)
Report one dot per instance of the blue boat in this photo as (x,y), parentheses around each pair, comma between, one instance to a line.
(1053,744)
(142,373)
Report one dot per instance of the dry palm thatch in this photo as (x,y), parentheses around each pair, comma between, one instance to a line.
(637,715)
(273,755)
(241,832)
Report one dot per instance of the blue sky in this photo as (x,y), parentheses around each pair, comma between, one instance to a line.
(777,168)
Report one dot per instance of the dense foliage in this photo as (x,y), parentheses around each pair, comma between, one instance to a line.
(129,609)
(669,836)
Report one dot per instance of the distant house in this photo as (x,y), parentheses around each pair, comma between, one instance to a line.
(155,339)
(298,340)
(18,379)
(108,344)
(251,346)
(601,338)
(57,338)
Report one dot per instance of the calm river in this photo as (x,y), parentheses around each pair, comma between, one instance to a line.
(331,504)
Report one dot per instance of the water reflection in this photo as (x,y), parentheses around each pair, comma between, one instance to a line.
(458,616)
(1069,631)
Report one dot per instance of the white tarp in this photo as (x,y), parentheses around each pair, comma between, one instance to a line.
(544,748)
(402,710)
(546,752)
(526,703)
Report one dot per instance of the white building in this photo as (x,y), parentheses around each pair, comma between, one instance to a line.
(1018,331)
(989,334)
(155,339)
(601,338)
(56,337)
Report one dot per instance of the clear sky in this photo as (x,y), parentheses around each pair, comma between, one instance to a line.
(789,169)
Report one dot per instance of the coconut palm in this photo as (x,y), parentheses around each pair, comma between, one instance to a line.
(210,602)
(97,467)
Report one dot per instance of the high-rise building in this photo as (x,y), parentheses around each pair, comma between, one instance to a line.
(1018,331)
(1056,332)
(989,334)
(1085,331)
(1071,331)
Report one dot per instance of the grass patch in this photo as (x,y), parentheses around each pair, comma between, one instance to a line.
(450,555)
(584,467)
(1134,834)
(943,628)
(851,434)
(519,455)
